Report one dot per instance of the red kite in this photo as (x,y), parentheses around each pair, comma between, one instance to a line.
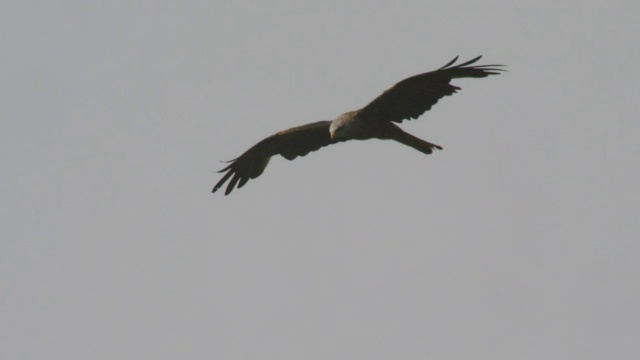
(406,100)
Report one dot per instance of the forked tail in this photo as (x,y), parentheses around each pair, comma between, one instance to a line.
(416,143)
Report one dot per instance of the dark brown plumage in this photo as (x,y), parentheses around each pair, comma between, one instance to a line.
(406,100)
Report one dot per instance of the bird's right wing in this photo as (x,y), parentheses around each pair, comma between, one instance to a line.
(290,143)
(413,96)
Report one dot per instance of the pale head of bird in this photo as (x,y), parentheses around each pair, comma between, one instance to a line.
(342,126)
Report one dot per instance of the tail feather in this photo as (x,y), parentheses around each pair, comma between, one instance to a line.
(416,143)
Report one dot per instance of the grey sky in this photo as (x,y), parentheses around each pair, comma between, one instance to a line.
(518,241)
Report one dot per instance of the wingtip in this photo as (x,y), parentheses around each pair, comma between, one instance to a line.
(469,62)
(460,65)
(450,62)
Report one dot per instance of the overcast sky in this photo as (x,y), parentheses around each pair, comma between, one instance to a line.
(519,240)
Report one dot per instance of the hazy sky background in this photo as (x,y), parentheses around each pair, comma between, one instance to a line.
(520,240)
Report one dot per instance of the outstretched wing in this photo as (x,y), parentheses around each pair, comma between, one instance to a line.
(413,96)
(290,143)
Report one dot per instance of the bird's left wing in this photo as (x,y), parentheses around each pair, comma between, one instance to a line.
(413,96)
(290,143)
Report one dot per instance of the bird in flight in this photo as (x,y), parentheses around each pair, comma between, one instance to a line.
(406,100)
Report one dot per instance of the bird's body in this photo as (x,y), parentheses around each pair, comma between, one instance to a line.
(408,99)
(350,126)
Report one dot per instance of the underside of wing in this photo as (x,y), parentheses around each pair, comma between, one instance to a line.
(290,143)
(413,96)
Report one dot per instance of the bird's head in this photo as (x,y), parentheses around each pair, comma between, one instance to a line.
(334,130)
(339,127)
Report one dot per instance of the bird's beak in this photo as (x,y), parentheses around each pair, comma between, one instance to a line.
(331,135)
